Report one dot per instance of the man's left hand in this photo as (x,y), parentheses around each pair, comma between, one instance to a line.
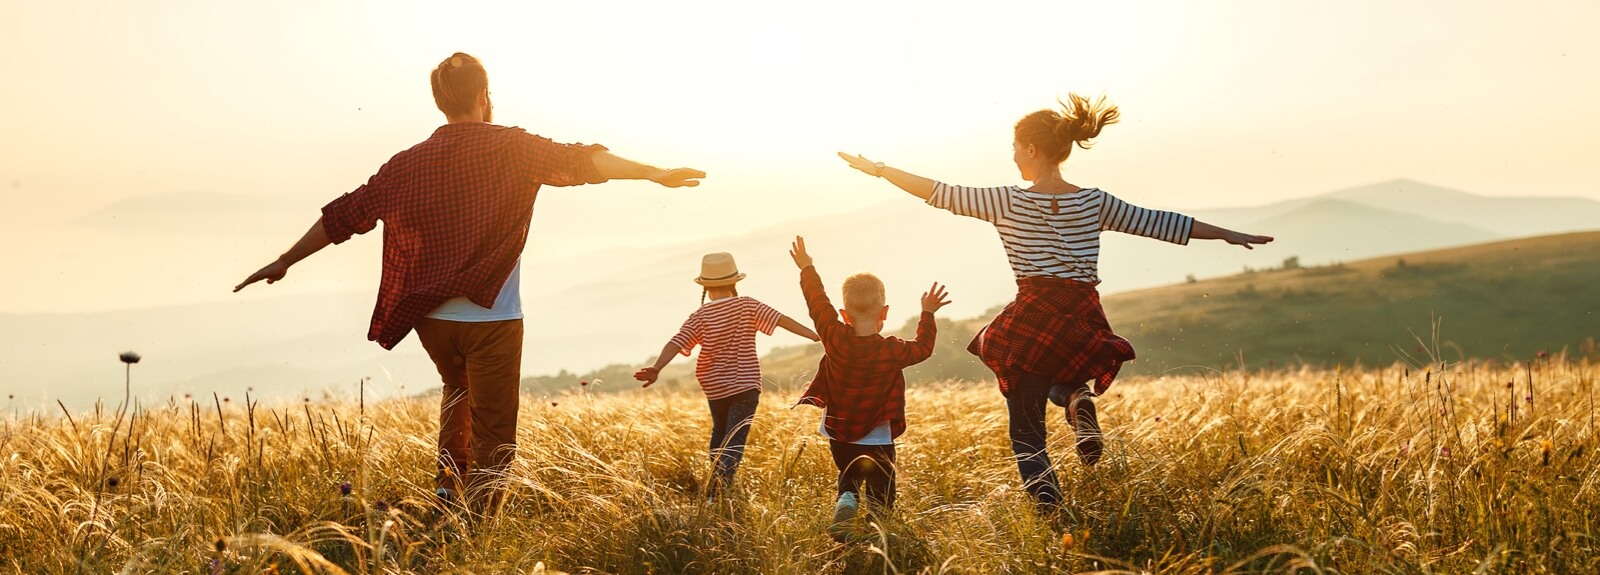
(678,177)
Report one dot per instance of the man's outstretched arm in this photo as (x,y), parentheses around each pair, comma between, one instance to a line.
(313,241)
(614,167)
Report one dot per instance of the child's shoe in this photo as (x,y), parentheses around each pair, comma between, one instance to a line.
(844,510)
(1085,426)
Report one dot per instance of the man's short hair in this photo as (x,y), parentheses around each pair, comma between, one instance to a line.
(863,294)
(457,82)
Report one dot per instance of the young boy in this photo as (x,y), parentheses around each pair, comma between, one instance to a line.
(859,384)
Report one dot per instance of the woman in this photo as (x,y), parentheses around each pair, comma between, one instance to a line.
(1053,340)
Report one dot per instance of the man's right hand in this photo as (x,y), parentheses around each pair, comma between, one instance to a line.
(272,273)
(678,177)
(797,250)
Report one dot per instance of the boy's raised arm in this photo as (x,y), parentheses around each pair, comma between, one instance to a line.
(921,348)
(817,304)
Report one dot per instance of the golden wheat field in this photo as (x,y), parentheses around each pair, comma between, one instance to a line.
(1453,468)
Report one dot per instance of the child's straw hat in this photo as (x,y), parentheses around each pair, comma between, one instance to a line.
(717,270)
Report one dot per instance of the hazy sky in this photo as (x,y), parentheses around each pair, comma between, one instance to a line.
(154,153)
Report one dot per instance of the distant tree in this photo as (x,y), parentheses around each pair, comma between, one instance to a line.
(1291,263)
(1189,279)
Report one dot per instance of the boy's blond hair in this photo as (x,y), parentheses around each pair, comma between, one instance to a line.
(863,294)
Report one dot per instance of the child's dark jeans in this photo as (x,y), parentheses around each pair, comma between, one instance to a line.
(866,470)
(730,426)
(1026,406)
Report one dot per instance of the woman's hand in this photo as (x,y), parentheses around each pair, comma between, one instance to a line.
(866,166)
(1246,240)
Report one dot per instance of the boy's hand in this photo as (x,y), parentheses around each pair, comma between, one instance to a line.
(797,250)
(934,298)
(647,375)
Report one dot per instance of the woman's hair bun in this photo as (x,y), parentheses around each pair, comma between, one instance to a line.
(1082,119)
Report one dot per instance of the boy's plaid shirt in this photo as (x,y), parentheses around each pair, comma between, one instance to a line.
(858,381)
(455,211)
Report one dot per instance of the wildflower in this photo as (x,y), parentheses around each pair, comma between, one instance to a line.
(1510,384)
(1528,398)
(1542,354)
(344,489)
(1067,540)
(113,482)
(129,357)
(553,404)
(1444,451)
(1405,449)
(1158,419)
(381,505)
(584,382)
(1544,446)
(221,544)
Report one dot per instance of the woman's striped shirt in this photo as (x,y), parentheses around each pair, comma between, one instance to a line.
(725,329)
(1058,235)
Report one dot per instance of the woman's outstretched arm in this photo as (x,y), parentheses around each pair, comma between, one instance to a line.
(913,184)
(1205,231)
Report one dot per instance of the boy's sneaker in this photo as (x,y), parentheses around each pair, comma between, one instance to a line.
(1085,426)
(844,510)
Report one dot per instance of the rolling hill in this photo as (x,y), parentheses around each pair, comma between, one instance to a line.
(1508,299)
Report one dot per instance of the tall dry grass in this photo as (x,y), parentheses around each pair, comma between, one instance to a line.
(1441,470)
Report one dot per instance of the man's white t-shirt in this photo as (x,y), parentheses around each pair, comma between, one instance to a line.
(508,305)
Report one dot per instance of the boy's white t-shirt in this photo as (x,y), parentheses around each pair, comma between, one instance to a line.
(507,305)
(880,435)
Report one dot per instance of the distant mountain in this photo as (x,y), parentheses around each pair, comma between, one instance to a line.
(1507,299)
(1502,216)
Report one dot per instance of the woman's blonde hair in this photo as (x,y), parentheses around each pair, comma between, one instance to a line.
(1079,120)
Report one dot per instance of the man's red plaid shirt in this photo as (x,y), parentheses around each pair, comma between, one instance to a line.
(858,381)
(455,211)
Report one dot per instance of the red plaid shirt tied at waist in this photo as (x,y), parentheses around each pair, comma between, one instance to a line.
(859,381)
(455,211)
(1055,331)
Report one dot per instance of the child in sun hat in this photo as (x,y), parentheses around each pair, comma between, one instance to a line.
(729,373)
(859,383)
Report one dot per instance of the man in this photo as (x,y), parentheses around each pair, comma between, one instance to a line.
(456,210)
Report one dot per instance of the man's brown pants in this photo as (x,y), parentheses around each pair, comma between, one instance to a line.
(481,364)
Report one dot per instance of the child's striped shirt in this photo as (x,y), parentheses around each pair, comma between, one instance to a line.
(725,329)
(1058,235)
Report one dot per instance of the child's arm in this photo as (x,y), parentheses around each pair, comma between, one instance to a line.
(648,375)
(790,324)
(1205,231)
(817,304)
(915,351)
